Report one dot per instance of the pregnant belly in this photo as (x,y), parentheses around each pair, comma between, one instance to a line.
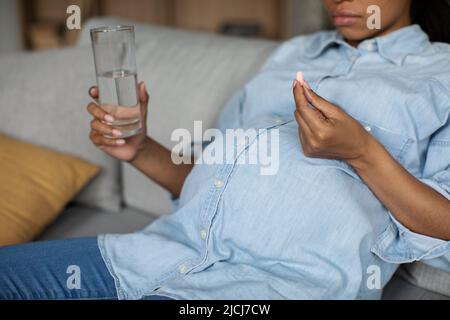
(310,205)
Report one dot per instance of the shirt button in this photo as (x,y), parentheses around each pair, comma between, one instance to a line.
(278,120)
(218,184)
(370,46)
(368,129)
(183,269)
(203,234)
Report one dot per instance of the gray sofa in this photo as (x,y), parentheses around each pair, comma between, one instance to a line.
(190,76)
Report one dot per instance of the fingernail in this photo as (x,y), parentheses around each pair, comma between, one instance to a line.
(109,118)
(117,133)
(120,142)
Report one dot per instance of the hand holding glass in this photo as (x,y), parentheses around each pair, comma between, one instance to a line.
(115,64)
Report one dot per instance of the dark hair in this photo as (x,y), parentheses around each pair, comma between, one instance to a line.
(434,18)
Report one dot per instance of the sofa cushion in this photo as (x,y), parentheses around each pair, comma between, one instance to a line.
(79,221)
(43,97)
(426,277)
(36,184)
(400,289)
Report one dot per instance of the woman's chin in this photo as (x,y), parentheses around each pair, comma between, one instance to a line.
(356,35)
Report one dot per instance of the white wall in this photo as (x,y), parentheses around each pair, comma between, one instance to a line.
(10,27)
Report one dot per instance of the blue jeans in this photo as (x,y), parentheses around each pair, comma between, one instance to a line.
(67,269)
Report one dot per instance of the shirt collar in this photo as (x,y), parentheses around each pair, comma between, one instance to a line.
(394,46)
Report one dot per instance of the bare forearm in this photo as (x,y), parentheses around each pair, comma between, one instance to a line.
(155,162)
(413,203)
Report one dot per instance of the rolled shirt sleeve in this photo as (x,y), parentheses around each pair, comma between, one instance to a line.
(437,167)
(398,244)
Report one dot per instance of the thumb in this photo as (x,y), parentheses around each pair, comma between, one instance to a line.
(143,94)
(144,99)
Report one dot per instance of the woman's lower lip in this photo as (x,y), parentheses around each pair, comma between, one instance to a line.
(342,21)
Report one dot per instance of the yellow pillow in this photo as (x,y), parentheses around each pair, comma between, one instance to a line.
(35,186)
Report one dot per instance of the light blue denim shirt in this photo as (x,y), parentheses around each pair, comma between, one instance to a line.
(314,230)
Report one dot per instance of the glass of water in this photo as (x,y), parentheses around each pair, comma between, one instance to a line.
(115,63)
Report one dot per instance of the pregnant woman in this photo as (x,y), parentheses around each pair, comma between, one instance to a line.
(363,183)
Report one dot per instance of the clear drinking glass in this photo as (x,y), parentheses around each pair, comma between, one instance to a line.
(115,63)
